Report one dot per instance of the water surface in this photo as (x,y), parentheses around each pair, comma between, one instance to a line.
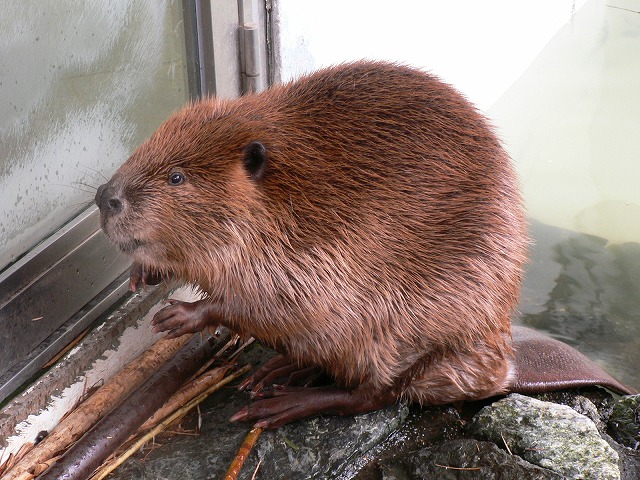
(585,291)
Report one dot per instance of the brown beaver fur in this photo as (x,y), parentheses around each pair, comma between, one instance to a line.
(364,219)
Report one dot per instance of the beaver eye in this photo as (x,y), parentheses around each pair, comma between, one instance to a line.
(176,178)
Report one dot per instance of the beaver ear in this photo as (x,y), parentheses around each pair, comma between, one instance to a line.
(255,159)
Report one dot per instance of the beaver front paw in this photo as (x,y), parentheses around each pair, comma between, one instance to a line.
(179,318)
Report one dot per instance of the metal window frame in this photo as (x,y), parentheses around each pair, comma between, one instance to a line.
(53,294)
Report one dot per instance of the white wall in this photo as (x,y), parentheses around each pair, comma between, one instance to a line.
(480,47)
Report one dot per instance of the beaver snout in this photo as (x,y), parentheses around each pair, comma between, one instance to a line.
(108,200)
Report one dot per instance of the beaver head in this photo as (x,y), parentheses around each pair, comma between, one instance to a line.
(182,191)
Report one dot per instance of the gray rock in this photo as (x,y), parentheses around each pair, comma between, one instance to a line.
(625,421)
(586,407)
(549,435)
(467,458)
(593,402)
(321,447)
(394,472)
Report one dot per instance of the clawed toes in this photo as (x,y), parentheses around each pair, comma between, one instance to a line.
(266,415)
(244,384)
(240,415)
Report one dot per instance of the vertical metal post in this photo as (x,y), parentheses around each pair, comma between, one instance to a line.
(189,14)
(252,45)
(252,58)
(226,47)
(199,47)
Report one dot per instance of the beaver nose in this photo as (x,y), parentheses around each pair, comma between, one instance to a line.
(107,200)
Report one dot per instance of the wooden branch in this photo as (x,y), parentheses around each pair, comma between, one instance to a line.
(243,453)
(188,392)
(111,466)
(104,400)
(108,434)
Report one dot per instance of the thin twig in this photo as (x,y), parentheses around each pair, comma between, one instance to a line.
(243,453)
(255,472)
(241,348)
(215,358)
(73,343)
(505,444)
(447,467)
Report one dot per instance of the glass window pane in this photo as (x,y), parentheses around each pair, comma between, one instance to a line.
(82,83)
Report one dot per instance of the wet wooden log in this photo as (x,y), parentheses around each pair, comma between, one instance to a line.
(80,420)
(188,392)
(79,462)
(114,463)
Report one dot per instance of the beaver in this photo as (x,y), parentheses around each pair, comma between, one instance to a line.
(364,221)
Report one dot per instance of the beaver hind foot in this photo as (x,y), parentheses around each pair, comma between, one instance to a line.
(305,392)
(287,404)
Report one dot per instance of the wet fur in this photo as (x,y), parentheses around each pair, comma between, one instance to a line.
(383,239)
